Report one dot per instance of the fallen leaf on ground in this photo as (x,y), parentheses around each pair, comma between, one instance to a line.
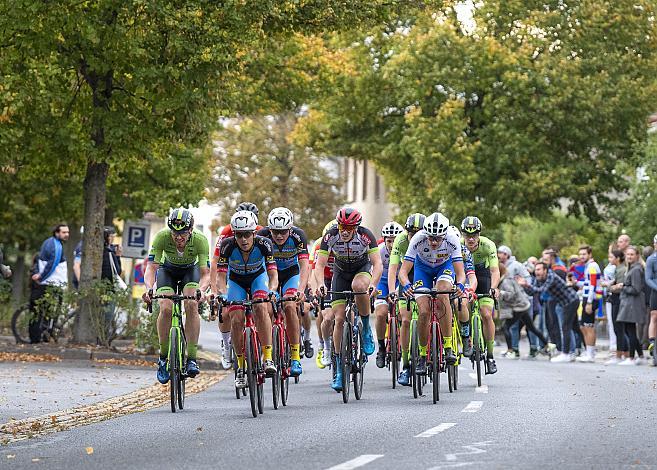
(90,450)
(53,419)
(27,357)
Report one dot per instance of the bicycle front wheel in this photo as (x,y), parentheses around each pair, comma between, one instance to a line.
(285,378)
(20,324)
(415,357)
(346,357)
(394,351)
(251,371)
(174,367)
(436,342)
(278,360)
(359,369)
(182,359)
(478,352)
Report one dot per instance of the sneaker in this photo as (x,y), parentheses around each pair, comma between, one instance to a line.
(450,357)
(308,348)
(467,347)
(240,379)
(226,356)
(651,349)
(563,357)
(491,367)
(405,377)
(368,342)
(639,361)
(512,354)
(612,360)
(627,362)
(162,372)
(584,358)
(270,368)
(337,380)
(326,358)
(421,368)
(381,358)
(192,368)
(295,368)
(318,358)
(533,352)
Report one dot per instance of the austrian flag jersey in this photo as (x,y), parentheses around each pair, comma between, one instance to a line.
(350,255)
(420,251)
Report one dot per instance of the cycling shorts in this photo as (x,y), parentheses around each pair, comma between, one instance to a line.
(288,282)
(382,296)
(240,286)
(172,279)
(342,281)
(427,277)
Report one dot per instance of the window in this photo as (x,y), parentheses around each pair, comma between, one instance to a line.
(365,180)
(354,179)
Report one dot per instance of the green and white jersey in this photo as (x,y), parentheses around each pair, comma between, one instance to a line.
(485,256)
(164,251)
(399,248)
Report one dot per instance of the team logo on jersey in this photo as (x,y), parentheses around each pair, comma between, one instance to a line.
(418,283)
(448,272)
(427,250)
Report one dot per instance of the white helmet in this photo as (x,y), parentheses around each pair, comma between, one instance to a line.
(391,229)
(454,230)
(243,221)
(280,218)
(436,225)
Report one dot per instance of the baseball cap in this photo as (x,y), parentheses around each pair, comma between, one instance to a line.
(504,249)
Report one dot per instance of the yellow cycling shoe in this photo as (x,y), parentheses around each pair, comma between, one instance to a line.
(318,359)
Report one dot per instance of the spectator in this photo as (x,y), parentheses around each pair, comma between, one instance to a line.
(5,270)
(111,268)
(547,281)
(632,304)
(552,312)
(623,242)
(515,307)
(651,282)
(576,268)
(607,277)
(591,295)
(615,285)
(49,275)
(643,331)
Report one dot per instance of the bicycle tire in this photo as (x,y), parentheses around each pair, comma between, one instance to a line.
(260,376)
(450,376)
(394,351)
(251,372)
(436,342)
(360,365)
(276,354)
(476,340)
(285,378)
(346,359)
(20,324)
(456,377)
(173,367)
(181,376)
(415,355)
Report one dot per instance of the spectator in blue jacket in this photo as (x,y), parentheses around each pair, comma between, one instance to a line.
(651,282)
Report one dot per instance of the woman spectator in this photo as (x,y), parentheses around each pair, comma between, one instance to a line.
(615,286)
(515,306)
(632,304)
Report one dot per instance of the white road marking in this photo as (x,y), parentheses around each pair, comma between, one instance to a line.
(471,449)
(357,462)
(451,465)
(473,407)
(438,429)
(482,389)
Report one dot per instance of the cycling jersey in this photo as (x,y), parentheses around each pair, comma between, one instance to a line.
(294,249)
(485,256)
(164,251)
(422,254)
(328,270)
(352,255)
(399,247)
(231,259)
(468,264)
(226,232)
(385,259)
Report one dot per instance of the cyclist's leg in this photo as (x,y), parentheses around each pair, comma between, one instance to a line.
(237,292)
(486,310)
(259,290)
(360,283)
(289,286)
(381,312)
(224,329)
(445,281)
(423,278)
(405,330)
(340,282)
(192,318)
(166,282)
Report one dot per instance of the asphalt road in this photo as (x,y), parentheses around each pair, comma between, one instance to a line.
(532,413)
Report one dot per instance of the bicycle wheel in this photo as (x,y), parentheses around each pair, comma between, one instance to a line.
(450,378)
(394,351)
(415,356)
(436,342)
(346,357)
(360,364)
(181,376)
(20,324)
(285,378)
(173,367)
(278,360)
(476,342)
(260,377)
(251,371)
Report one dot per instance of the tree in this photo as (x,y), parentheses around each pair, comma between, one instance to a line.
(256,161)
(531,107)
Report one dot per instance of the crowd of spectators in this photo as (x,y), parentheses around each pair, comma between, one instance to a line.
(563,304)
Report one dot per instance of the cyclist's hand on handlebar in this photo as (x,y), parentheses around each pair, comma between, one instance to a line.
(392,297)
(460,289)
(408,290)
(372,290)
(146,296)
(495,292)
(274,294)
(301,296)
(321,292)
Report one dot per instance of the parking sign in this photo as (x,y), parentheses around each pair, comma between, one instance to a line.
(136,235)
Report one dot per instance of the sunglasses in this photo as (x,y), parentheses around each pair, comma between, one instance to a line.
(181,235)
(471,235)
(280,233)
(347,228)
(243,235)
(433,238)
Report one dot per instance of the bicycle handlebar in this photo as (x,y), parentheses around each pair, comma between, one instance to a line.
(173,298)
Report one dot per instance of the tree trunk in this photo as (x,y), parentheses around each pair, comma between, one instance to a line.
(18,277)
(69,248)
(95,185)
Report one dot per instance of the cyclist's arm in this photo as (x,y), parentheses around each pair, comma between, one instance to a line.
(222,266)
(460,272)
(213,274)
(472,281)
(149,275)
(303,257)
(221,282)
(404,271)
(392,276)
(494,277)
(304,274)
(377,266)
(270,264)
(204,282)
(320,265)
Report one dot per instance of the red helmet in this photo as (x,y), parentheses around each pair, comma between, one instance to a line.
(349,216)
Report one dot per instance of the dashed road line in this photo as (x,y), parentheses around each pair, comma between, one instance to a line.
(473,407)
(482,389)
(471,449)
(438,429)
(357,462)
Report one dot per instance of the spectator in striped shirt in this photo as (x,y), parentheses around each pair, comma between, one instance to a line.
(591,299)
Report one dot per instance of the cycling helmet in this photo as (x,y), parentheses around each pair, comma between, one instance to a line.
(280,218)
(391,229)
(471,224)
(415,221)
(453,229)
(247,206)
(180,220)
(243,221)
(436,225)
(348,216)
(329,226)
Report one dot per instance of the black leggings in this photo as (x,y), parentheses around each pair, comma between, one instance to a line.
(569,324)
(629,329)
(524,319)
(621,340)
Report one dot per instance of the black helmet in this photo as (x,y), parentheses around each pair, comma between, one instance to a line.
(180,220)
(415,222)
(247,206)
(471,224)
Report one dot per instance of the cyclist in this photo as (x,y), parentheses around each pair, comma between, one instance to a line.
(357,268)
(246,264)
(325,316)
(470,286)
(291,256)
(414,224)
(435,254)
(388,233)
(487,271)
(224,327)
(179,255)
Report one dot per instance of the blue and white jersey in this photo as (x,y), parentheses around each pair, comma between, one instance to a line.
(385,258)
(420,250)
